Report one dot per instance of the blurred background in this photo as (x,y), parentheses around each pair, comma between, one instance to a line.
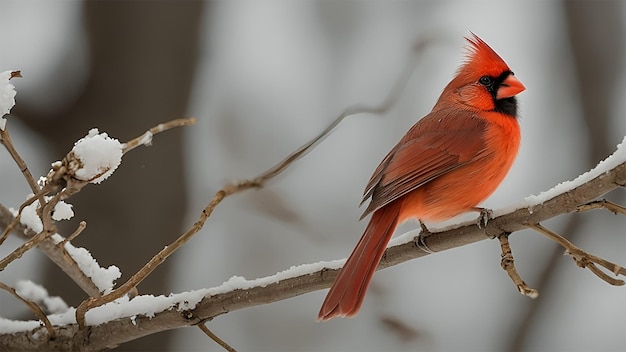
(263,77)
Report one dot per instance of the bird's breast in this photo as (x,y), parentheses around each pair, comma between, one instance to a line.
(465,187)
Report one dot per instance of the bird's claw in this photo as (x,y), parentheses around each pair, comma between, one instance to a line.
(484,217)
(419,239)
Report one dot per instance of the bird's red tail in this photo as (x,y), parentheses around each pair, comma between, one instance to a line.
(346,295)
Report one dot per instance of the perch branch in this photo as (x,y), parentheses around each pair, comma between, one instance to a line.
(115,332)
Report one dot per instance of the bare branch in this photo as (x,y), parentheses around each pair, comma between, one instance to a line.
(508,264)
(146,138)
(215,338)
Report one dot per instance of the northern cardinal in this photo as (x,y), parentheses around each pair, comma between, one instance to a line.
(446,164)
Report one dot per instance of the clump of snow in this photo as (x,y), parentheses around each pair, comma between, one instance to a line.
(7,96)
(33,292)
(99,156)
(103,278)
(30,218)
(62,211)
(8,326)
(30,290)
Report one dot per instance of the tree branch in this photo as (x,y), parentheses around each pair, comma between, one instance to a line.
(112,333)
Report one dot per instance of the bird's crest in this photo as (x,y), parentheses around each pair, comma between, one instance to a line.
(481,59)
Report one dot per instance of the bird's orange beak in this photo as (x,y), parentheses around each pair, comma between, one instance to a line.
(510,87)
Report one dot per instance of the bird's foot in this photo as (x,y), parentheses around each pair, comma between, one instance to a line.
(420,239)
(484,217)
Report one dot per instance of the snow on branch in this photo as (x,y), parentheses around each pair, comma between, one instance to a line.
(144,315)
(7,95)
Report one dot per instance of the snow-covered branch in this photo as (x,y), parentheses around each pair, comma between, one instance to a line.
(143,315)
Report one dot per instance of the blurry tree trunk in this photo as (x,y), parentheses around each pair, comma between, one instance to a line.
(595,30)
(596,33)
(142,62)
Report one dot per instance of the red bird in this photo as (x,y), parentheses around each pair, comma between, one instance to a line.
(445,165)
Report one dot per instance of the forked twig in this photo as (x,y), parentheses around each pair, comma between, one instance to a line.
(256,182)
(33,307)
(584,259)
(215,338)
(48,229)
(508,264)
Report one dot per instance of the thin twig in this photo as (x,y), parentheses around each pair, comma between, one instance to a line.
(146,138)
(9,228)
(603,204)
(584,259)
(215,338)
(33,307)
(25,247)
(382,108)
(508,264)
(81,226)
(5,139)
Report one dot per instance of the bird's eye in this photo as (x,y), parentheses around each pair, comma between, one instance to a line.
(485,80)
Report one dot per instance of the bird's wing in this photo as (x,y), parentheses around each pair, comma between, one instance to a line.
(430,149)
